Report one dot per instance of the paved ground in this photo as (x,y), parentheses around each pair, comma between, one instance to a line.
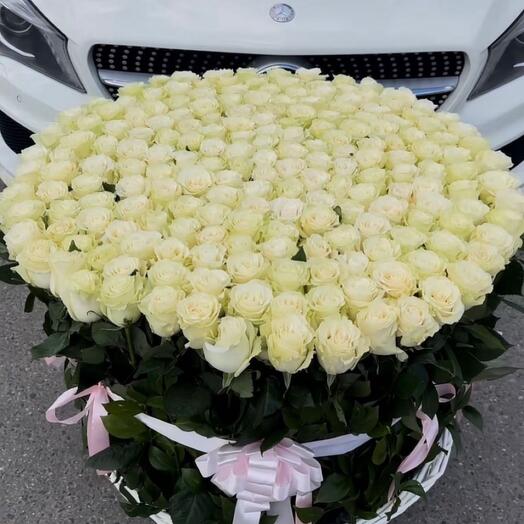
(43,479)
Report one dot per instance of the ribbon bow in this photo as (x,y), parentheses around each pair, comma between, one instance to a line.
(264,482)
(97,435)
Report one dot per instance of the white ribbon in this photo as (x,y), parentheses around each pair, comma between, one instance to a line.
(261,482)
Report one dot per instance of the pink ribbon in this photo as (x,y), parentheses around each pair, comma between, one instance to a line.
(430,429)
(97,435)
(54,362)
(264,482)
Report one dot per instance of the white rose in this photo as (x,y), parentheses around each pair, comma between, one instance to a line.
(118,229)
(395,278)
(288,302)
(52,190)
(121,265)
(235,345)
(363,193)
(350,210)
(251,300)
(486,256)
(131,185)
(369,224)
(287,209)
(198,315)
(86,184)
(408,238)
(323,271)
(378,321)
(379,248)
(392,208)
(81,296)
(195,180)
(33,263)
(447,245)
(290,343)
(159,307)
(496,236)
(318,219)
(212,281)
(425,263)
(354,263)
(119,297)
(225,195)
(20,235)
(208,255)
(474,209)
(168,273)
(325,300)
(473,282)
(444,299)
(245,266)
(141,244)
(24,210)
(132,207)
(61,170)
(185,229)
(415,323)
(288,275)
(360,291)
(316,246)
(171,249)
(463,189)
(340,345)
(212,214)
(512,221)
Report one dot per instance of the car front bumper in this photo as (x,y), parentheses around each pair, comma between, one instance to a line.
(34,100)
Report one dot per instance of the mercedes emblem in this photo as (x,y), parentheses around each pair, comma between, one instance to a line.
(282,13)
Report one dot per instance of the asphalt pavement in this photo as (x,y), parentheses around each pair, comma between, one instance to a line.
(43,479)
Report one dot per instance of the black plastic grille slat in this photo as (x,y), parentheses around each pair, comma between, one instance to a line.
(16,136)
(379,66)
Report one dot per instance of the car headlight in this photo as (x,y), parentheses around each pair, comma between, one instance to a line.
(505,60)
(28,37)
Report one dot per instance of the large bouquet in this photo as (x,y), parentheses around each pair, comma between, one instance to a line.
(242,263)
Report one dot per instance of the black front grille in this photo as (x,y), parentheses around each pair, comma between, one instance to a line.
(154,60)
(16,136)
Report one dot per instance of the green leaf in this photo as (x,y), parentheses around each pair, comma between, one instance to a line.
(138,509)
(160,460)
(334,488)
(106,334)
(51,346)
(413,486)
(243,385)
(118,456)
(491,344)
(9,276)
(93,355)
(268,519)
(514,305)
(269,401)
(108,187)
(511,280)
(300,255)
(338,211)
(474,416)
(186,507)
(123,427)
(123,407)
(29,304)
(380,452)
(273,439)
(312,514)
(496,373)
(363,419)
(190,480)
(73,247)
(185,400)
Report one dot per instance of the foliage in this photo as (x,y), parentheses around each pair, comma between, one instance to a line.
(168,381)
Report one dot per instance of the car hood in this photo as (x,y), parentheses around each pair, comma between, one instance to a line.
(337,26)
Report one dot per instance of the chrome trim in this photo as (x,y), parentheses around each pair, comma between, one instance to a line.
(419,86)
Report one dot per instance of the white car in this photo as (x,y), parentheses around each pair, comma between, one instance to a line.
(467,56)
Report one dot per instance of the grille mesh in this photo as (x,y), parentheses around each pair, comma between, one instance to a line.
(379,66)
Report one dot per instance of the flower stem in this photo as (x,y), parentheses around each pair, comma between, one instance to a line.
(130,346)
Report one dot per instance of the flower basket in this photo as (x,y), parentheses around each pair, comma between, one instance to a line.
(269,294)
